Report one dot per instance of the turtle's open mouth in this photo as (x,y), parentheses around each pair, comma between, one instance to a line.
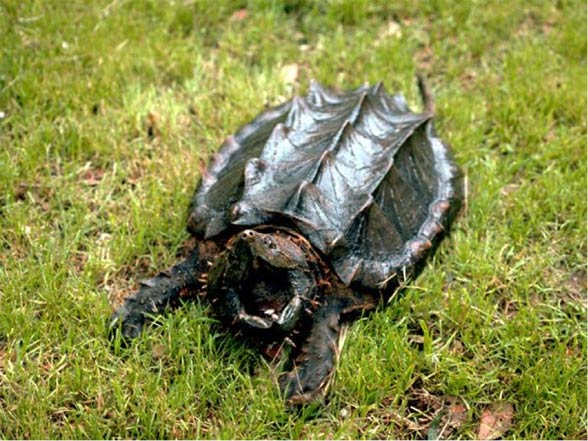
(266,281)
(266,293)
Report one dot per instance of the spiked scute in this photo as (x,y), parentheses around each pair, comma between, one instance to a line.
(358,173)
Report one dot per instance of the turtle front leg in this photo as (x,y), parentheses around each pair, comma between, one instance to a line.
(159,293)
(314,365)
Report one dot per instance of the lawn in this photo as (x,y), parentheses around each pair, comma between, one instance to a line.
(108,108)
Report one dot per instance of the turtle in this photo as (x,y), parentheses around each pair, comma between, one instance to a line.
(312,214)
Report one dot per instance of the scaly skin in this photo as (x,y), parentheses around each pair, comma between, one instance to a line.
(250,256)
(314,365)
(160,293)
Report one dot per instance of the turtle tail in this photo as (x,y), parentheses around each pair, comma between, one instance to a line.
(426,94)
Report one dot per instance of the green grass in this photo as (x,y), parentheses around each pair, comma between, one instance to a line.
(90,203)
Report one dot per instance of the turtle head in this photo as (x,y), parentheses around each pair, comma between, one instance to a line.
(275,250)
(262,281)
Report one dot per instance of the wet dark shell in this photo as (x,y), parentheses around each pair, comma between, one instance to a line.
(364,178)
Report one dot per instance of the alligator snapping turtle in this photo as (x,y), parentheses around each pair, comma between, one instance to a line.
(317,210)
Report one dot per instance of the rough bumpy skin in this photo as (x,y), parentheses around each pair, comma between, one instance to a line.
(312,212)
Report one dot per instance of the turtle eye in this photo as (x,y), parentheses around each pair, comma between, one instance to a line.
(269,243)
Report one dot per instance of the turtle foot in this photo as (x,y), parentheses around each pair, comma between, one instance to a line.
(127,322)
(314,366)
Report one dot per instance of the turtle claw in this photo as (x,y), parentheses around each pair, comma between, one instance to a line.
(157,294)
(126,322)
(307,383)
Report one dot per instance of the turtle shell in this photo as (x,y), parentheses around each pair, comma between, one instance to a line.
(366,180)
